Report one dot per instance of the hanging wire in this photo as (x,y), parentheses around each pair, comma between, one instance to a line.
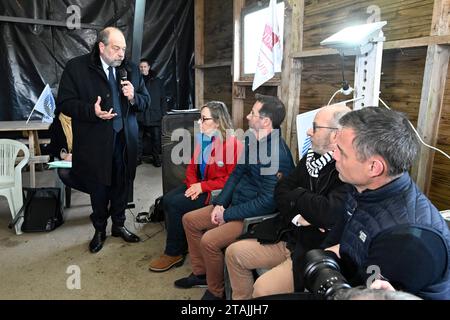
(420,139)
(344,82)
(332,97)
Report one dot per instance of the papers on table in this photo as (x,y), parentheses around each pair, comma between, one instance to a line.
(60,164)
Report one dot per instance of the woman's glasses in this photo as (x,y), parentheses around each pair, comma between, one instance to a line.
(203,119)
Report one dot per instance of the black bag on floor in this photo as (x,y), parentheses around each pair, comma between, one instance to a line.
(157,210)
(154,214)
(41,211)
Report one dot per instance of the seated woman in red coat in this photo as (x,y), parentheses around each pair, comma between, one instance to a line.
(215,157)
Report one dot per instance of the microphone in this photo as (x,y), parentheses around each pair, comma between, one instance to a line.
(123,74)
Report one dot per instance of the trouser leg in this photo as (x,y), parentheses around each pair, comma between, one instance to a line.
(212,244)
(176,205)
(195,223)
(278,280)
(246,255)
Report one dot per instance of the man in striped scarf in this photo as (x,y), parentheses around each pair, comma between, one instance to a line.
(310,200)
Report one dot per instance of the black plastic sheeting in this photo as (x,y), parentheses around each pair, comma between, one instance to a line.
(33,55)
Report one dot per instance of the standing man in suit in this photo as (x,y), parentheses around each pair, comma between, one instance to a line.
(102,92)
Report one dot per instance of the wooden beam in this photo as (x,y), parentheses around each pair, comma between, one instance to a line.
(389,45)
(249,83)
(292,68)
(199,8)
(432,98)
(238,91)
(216,64)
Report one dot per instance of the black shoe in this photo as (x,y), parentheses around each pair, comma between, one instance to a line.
(191,281)
(97,241)
(209,296)
(138,162)
(156,161)
(124,234)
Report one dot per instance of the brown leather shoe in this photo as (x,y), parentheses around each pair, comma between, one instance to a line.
(165,262)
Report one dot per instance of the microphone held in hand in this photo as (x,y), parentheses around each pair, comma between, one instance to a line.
(123,74)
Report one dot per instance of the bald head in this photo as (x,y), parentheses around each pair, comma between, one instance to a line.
(333,113)
(325,127)
(105,34)
(112,46)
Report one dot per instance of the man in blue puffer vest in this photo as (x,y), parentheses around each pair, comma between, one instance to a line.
(391,226)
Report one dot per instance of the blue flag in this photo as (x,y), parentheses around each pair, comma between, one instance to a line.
(306,146)
(46,105)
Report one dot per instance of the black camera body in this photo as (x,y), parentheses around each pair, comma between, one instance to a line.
(322,274)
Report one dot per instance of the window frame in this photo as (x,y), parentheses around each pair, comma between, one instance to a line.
(245,11)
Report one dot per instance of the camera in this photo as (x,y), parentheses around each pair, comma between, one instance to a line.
(322,275)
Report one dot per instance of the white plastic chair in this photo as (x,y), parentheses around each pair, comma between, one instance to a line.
(11,176)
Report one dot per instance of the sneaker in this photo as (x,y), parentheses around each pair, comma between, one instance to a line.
(192,281)
(209,296)
(165,262)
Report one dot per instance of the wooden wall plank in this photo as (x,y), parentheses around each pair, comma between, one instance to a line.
(218,85)
(199,8)
(432,98)
(219,30)
(406,19)
(238,102)
(291,68)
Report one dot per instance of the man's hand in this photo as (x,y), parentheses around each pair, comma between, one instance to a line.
(194,191)
(382,285)
(103,114)
(217,215)
(128,90)
(301,221)
(335,249)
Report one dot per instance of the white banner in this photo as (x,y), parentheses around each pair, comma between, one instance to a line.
(304,122)
(270,54)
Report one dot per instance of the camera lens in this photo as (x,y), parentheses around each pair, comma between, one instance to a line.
(322,274)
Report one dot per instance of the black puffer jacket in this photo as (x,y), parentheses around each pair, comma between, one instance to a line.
(320,201)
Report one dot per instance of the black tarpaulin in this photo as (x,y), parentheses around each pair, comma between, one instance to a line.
(33,55)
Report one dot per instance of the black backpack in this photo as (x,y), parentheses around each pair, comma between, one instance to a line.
(154,214)
(42,210)
(157,210)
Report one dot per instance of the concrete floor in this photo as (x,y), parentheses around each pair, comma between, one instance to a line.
(34,265)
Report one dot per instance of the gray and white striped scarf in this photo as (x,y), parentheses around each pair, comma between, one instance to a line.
(314,166)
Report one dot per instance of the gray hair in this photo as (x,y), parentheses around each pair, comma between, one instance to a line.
(339,110)
(383,132)
(363,293)
(103,36)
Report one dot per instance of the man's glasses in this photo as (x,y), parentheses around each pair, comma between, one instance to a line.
(203,119)
(256,115)
(315,127)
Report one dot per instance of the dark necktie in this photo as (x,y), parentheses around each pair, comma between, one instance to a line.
(117,120)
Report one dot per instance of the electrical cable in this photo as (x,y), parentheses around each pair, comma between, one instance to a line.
(149,236)
(332,97)
(417,134)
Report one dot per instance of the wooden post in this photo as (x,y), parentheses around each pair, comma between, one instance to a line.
(238,91)
(199,7)
(433,88)
(291,69)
